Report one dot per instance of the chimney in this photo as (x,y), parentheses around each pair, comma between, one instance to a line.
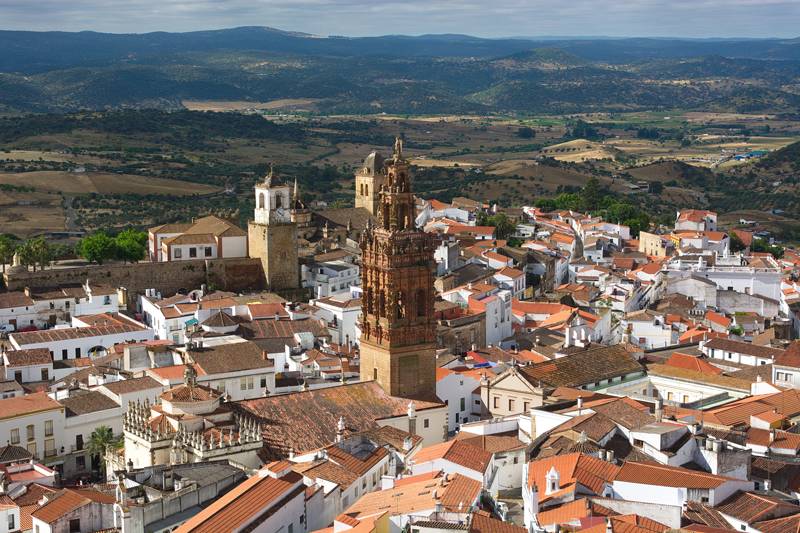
(659,409)
(291,453)
(772,435)
(610,456)
(580,404)
(264,355)
(767,485)
(609,527)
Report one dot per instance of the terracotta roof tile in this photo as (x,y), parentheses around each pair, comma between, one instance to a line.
(229,357)
(690,362)
(459,452)
(87,402)
(484,524)
(28,403)
(749,507)
(744,348)
(184,394)
(315,414)
(34,356)
(243,504)
(582,368)
(668,476)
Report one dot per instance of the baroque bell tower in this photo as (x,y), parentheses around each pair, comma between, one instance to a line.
(398,332)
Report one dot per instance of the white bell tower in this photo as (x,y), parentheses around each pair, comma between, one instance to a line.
(272,201)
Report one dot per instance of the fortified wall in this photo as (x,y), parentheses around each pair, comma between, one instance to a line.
(235,275)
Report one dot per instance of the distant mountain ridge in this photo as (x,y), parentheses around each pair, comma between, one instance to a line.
(28,52)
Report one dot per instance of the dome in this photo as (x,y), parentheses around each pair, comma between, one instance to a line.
(373,163)
(16,267)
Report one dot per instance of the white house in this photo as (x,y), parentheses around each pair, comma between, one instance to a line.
(35,422)
(455,388)
(210,237)
(84,341)
(330,277)
(345,309)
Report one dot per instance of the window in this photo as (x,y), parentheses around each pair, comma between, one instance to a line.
(472,335)
(11,522)
(290,529)
(45,374)
(516,460)
(77,353)
(526,406)
(669,396)
(48,428)
(80,463)
(192,252)
(243,384)
(511,405)
(31,432)
(426,423)
(496,402)
(107,300)
(66,304)
(14,436)
(64,355)
(250,383)
(221,387)
(208,251)
(477,402)
(52,305)
(75,525)
(263,381)
(374,479)
(345,501)
(375,373)
(463,404)
(177,253)
(18,376)
(49,448)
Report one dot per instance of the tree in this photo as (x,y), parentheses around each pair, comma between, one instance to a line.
(336,204)
(7,248)
(101,442)
(526,133)
(591,195)
(42,252)
(547,204)
(98,248)
(656,187)
(504,225)
(131,245)
(27,255)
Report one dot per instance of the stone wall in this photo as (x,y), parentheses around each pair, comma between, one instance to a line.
(235,275)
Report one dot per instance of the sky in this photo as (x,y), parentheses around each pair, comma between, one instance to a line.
(358,18)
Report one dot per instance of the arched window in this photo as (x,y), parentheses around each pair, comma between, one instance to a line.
(421,304)
(278,201)
(261,201)
(362,189)
(366,190)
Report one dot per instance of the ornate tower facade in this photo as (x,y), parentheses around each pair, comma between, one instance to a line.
(398,331)
(369,180)
(273,235)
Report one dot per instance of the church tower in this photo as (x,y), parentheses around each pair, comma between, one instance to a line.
(398,332)
(273,235)
(369,180)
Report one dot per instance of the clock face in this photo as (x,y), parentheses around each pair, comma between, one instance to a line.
(279,214)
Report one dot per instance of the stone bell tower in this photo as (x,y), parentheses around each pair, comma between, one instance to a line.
(369,180)
(273,235)
(398,342)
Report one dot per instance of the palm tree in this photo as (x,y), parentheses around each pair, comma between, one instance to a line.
(7,248)
(42,252)
(101,442)
(336,204)
(27,255)
(505,226)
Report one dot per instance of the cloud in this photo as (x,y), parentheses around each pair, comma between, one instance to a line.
(500,18)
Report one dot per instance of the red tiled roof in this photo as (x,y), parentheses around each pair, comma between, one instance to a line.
(573,469)
(242,504)
(668,476)
(34,356)
(315,414)
(458,452)
(28,403)
(689,362)
(749,507)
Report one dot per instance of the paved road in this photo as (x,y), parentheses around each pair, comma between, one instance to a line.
(70,214)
